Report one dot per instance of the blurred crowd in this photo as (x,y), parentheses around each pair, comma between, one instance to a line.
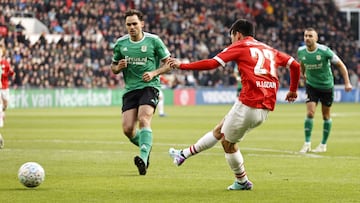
(191,29)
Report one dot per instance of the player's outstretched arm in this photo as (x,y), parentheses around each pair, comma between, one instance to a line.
(205,64)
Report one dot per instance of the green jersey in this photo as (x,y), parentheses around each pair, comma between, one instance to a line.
(142,56)
(317,66)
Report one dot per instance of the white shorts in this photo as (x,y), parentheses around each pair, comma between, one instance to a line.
(240,120)
(5,94)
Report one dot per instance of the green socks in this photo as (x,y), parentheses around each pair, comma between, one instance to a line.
(143,139)
(135,139)
(326,130)
(308,126)
(145,143)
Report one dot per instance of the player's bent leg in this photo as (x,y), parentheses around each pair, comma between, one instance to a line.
(236,163)
(5,104)
(205,142)
(129,123)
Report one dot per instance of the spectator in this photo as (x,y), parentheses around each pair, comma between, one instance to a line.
(93,28)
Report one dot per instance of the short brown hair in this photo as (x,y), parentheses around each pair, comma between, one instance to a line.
(132,12)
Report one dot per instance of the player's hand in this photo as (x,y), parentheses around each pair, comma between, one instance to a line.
(119,67)
(291,96)
(148,76)
(167,67)
(348,87)
(174,63)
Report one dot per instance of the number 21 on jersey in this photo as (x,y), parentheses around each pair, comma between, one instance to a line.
(262,55)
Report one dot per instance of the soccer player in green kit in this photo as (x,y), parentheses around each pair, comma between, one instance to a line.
(315,60)
(138,56)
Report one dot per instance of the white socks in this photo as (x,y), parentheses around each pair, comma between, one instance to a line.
(236,163)
(205,142)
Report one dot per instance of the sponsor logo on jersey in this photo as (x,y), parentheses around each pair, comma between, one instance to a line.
(313,66)
(136,61)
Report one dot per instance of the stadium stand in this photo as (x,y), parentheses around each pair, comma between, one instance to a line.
(77,50)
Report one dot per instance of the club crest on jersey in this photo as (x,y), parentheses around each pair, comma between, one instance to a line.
(318,57)
(143,48)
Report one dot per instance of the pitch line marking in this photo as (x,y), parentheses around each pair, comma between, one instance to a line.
(283,153)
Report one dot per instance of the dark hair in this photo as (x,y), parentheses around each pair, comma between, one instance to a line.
(243,26)
(132,12)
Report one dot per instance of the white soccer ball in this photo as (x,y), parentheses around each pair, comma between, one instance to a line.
(1,142)
(31,174)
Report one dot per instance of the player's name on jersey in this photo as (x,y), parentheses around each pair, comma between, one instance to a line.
(265,84)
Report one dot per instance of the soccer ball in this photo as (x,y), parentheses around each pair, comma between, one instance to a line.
(1,142)
(31,174)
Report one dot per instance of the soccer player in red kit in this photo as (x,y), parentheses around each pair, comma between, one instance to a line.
(6,72)
(257,64)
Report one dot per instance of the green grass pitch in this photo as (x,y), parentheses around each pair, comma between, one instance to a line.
(87,158)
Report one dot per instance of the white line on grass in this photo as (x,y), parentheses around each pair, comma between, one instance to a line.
(282,153)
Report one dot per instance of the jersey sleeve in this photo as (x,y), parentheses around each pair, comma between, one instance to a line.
(289,62)
(228,54)
(231,53)
(334,59)
(206,64)
(116,53)
(294,75)
(161,49)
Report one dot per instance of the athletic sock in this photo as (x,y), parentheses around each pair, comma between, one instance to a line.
(135,139)
(326,130)
(308,126)
(205,142)
(236,163)
(145,143)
